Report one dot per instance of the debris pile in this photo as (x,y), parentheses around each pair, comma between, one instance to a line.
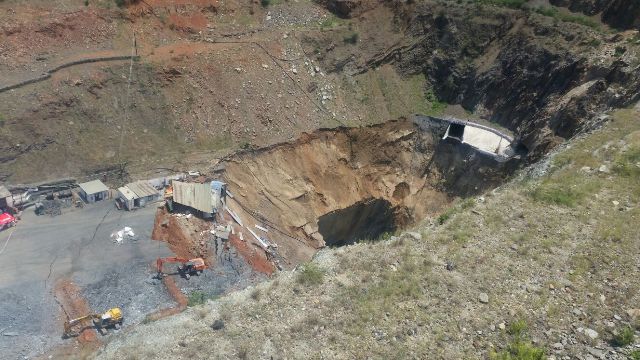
(125,233)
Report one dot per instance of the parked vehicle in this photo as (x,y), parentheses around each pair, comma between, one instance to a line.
(6,220)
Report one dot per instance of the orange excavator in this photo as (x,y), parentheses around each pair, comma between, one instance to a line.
(186,268)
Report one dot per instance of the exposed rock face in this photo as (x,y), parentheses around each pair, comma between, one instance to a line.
(332,187)
(621,14)
(543,81)
(349,8)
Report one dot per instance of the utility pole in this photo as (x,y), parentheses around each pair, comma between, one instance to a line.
(134,51)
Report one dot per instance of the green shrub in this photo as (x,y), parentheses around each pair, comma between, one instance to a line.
(310,274)
(520,348)
(444,217)
(625,163)
(351,39)
(520,351)
(624,337)
(437,106)
(265,3)
(619,51)
(517,329)
(120,3)
(513,4)
(197,298)
(635,355)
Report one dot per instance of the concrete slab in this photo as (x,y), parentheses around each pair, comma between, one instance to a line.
(484,140)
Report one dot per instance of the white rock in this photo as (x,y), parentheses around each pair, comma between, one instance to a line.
(591,333)
(502,326)
(414,235)
(483,298)
(604,169)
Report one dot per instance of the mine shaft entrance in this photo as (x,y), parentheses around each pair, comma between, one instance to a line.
(367,219)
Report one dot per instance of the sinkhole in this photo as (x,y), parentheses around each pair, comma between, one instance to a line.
(364,220)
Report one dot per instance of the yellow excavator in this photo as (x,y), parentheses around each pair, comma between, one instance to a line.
(111,318)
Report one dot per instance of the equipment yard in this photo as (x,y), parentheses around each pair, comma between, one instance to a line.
(63,265)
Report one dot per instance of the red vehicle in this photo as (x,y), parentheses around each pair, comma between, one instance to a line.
(6,221)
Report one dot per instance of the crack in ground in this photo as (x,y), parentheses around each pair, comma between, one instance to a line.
(95,232)
(50,271)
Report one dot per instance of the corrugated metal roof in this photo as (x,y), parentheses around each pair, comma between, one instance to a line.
(142,189)
(128,194)
(197,196)
(93,187)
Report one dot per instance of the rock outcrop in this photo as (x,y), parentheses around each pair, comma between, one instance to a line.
(544,80)
(620,14)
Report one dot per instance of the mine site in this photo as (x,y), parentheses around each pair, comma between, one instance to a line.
(325,179)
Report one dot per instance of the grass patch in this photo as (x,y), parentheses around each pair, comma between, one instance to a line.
(464,205)
(331,22)
(310,274)
(561,192)
(626,164)
(624,337)
(197,298)
(519,347)
(437,106)
(376,297)
(512,4)
(634,355)
(351,39)
(566,17)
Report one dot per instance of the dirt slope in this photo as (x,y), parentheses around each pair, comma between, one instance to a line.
(214,77)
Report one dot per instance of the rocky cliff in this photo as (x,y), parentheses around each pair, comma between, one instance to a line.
(620,14)
(545,80)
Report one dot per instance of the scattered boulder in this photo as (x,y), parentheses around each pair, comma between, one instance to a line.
(483,298)
(592,334)
(633,313)
(217,325)
(449,266)
(414,235)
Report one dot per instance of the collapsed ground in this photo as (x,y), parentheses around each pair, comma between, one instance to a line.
(546,264)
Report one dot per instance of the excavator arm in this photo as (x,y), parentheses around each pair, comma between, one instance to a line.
(112,317)
(68,325)
(188,265)
(172,259)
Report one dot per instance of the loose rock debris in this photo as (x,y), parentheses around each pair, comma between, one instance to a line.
(125,233)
